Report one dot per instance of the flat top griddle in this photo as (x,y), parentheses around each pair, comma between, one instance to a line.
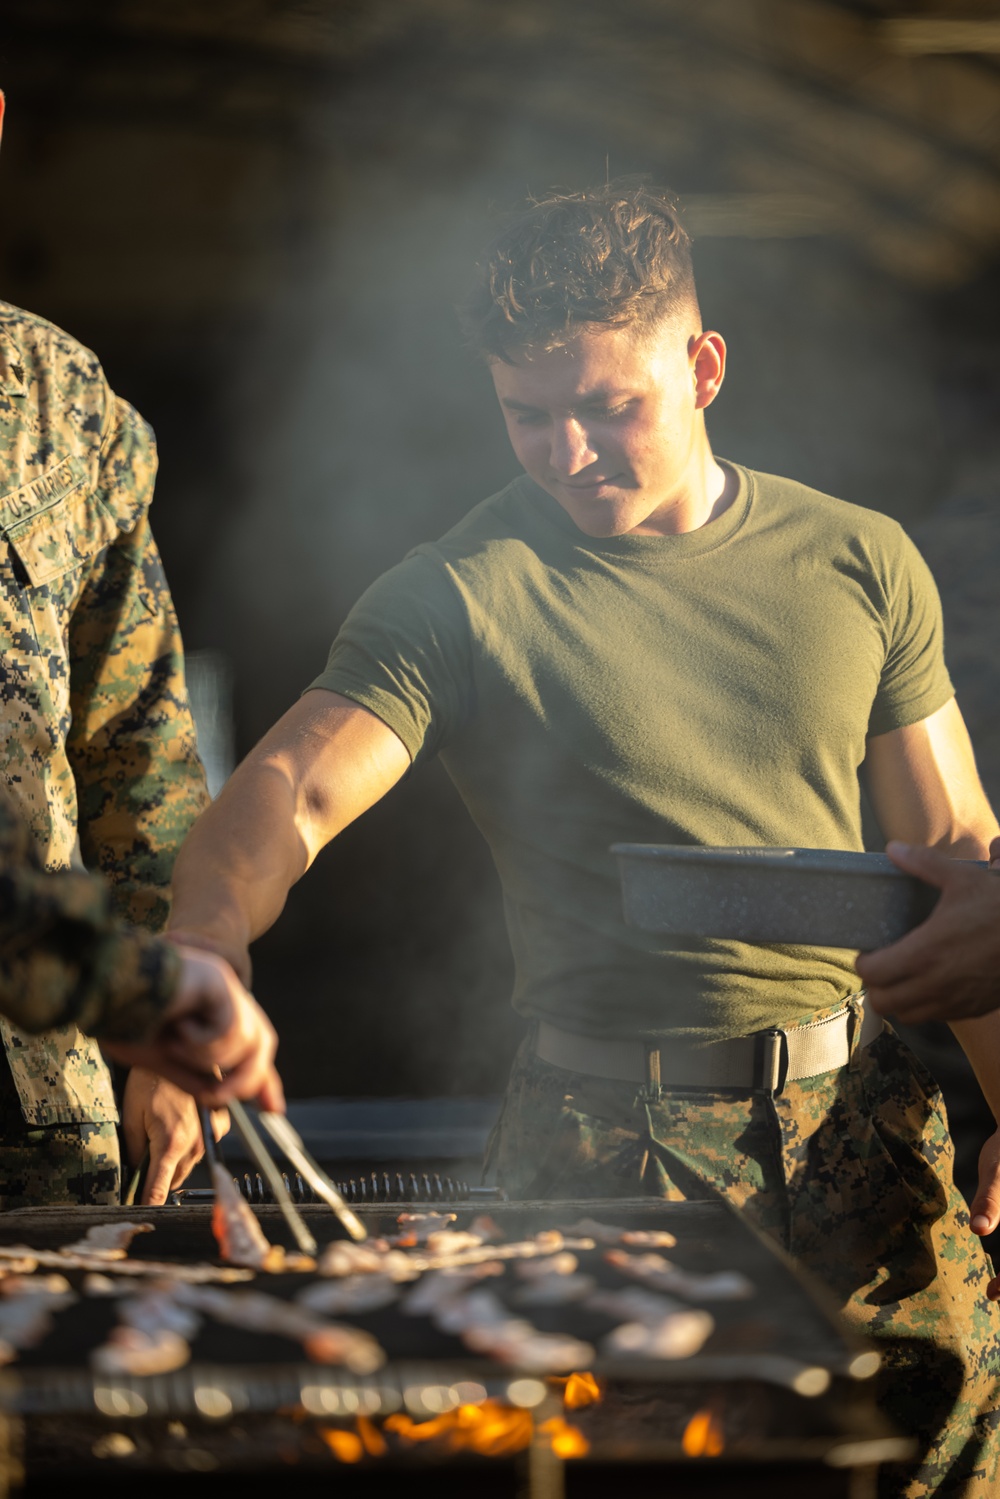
(784,1334)
(782,1369)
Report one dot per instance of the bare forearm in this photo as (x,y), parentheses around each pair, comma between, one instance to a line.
(240,859)
(323,764)
(980,1040)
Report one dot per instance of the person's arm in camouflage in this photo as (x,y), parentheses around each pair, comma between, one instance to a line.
(64,957)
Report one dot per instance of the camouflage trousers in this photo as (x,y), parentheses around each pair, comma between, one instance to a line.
(53,1163)
(851,1172)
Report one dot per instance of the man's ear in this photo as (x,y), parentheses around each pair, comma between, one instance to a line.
(2,105)
(707,358)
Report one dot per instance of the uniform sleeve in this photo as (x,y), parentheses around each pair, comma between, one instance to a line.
(915,681)
(62,956)
(403,653)
(140,783)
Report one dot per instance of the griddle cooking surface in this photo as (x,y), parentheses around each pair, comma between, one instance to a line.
(781,1321)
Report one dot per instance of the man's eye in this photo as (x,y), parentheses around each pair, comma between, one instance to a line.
(529,418)
(605,413)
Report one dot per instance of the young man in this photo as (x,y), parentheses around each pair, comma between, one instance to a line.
(637,642)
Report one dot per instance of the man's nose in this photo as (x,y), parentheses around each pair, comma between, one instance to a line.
(570,450)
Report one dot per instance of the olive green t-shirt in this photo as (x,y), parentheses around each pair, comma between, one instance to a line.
(715,687)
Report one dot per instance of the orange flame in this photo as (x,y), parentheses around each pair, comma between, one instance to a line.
(351,1446)
(345,1446)
(580,1390)
(492,1429)
(372,1439)
(565,1440)
(703,1436)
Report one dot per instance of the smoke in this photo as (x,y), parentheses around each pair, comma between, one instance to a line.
(364,427)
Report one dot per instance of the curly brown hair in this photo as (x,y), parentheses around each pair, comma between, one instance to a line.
(608,257)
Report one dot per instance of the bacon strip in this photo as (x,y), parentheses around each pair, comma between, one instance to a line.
(653,1270)
(107,1241)
(240,1238)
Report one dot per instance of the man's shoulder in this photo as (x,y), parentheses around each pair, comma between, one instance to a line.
(504,518)
(46,350)
(782,499)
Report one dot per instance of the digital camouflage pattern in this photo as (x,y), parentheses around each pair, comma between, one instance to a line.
(71,1163)
(851,1173)
(98,745)
(64,957)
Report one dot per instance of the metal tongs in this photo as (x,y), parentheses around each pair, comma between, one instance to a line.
(289,1143)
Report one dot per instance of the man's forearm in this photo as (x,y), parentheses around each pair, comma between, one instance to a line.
(241,858)
(323,764)
(980,1040)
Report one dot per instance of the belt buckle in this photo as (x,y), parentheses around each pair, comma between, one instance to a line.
(771,1062)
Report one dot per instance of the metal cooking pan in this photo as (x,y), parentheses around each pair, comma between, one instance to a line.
(809,896)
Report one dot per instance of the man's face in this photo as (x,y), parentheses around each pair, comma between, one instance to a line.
(610,426)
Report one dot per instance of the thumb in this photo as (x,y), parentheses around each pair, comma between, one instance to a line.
(926,863)
(984,1212)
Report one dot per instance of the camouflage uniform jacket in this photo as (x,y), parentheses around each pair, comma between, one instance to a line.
(64,957)
(98,745)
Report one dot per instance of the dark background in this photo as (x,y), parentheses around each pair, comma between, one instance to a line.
(261,212)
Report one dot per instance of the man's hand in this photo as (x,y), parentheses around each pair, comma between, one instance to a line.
(211,1026)
(157,1114)
(948,968)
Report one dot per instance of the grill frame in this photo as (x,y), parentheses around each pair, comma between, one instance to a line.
(710,1232)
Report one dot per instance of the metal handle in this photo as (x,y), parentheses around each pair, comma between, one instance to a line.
(259,1155)
(288,1140)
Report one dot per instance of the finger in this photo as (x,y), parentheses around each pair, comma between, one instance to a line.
(183,1168)
(182,1076)
(251,1081)
(160,1177)
(890,965)
(926,863)
(984,1211)
(272,1094)
(246,1080)
(914,1002)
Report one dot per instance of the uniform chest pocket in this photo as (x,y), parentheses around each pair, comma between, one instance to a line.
(54,524)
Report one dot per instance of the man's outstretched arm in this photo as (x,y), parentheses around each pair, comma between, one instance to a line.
(927,796)
(925,789)
(323,764)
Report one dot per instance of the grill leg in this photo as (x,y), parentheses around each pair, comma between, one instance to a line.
(864,1483)
(541,1474)
(11,1453)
